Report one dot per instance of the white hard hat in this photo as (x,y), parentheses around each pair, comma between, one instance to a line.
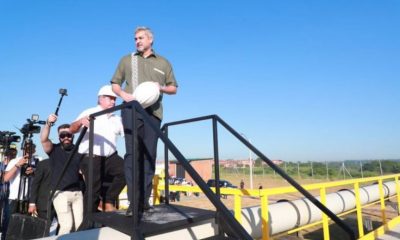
(147,93)
(106,90)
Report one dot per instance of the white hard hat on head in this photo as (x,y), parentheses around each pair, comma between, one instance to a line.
(147,93)
(106,90)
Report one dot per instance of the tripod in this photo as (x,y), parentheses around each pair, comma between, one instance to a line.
(26,175)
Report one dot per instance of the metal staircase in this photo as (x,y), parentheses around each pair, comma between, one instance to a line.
(168,217)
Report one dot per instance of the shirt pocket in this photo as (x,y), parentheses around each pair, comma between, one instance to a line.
(158,75)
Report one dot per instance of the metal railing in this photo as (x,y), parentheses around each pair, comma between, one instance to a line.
(215,119)
(234,226)
(265,194)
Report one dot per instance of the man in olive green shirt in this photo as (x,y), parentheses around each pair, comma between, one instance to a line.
(141,66)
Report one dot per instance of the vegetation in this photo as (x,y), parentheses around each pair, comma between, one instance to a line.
(322,170)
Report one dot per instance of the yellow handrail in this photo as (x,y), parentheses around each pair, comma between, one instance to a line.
(264,195)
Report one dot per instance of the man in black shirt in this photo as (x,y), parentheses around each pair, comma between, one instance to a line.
(68,198)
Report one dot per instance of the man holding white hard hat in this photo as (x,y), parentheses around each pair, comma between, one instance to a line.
(147,76)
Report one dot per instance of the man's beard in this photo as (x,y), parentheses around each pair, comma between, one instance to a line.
(67,146)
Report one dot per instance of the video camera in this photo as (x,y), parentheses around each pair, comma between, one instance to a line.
(6,138)
(28,129)
(31,127)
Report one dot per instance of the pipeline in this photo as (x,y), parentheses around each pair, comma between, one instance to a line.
(283,216)
(287,215)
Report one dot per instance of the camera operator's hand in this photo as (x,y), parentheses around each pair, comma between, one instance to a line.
(28,170)
(52,119)
(32,209)
(22,161)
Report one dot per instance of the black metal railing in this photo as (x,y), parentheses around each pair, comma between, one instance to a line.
(228,218)
(224,213)
(216,119)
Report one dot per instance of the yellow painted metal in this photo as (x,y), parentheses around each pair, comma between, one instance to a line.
(359,210)
(304,227)
(156,191)
(238,207)
(382,198)
(325,219)
(398,193)
(382,229)
(322,187)
(264,217)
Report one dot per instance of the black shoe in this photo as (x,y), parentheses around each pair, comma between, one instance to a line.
(129,212)
(149,209)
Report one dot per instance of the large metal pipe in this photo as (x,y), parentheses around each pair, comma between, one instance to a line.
(283,216)
(287,215)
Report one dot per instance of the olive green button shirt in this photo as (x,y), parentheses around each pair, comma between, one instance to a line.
(154,68)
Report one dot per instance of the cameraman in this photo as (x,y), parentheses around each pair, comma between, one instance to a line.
(13,175)
(9,154)
(68,198)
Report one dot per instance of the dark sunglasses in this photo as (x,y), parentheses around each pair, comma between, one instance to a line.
(65,134)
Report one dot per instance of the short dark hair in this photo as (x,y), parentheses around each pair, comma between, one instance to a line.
(11,151)
(66,125)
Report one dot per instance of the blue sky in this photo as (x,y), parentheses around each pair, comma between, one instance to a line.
(303,80)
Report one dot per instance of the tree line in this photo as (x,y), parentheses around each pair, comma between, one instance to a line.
(331,170)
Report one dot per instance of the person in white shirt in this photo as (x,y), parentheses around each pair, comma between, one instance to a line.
(107,162)
(12,175)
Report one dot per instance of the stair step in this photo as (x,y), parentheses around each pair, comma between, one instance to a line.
(164,218)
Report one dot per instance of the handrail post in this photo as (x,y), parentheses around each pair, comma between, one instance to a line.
(166,169)
(216,165)
(265,216)
(325,219)
(90,180)
(359,210)
(156,191)
(382,201)
(216,156)
(398,194)
(238,205)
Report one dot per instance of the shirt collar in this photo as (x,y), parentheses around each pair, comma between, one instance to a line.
(153,54)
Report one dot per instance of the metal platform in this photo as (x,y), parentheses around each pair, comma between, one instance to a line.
(163,218)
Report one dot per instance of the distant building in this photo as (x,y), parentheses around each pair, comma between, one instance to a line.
(202,166)
(243,163)
(278,162)
(235,163)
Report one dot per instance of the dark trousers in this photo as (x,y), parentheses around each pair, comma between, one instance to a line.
(146,146)
(9,208)
(112,168)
